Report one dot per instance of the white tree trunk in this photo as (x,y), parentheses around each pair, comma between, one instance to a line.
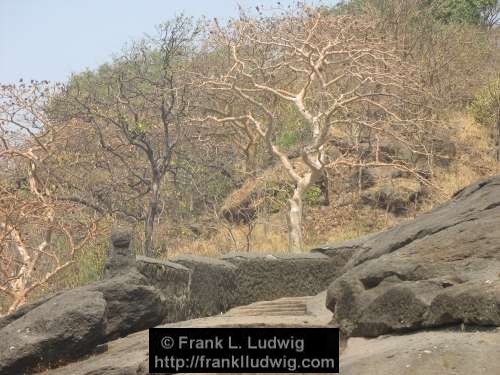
(295,211)
(294,219)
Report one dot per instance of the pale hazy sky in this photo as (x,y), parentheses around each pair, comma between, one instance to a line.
(50,39)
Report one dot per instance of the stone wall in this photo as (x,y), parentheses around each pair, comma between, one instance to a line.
(198,286)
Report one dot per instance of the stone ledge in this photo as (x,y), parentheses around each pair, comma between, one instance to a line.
(273,256)
(166,263)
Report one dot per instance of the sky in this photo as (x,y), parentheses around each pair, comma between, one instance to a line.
(50,39)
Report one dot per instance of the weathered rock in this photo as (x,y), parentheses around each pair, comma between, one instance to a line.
(343,250)
(436,352)
(70,324)
(441,268)
(173,280)
(195,286)
(61,329)
(443,151)
(396,196)
(129,355)
(212,285)
(370,176)
(269,276)
(132,304)
(121,257)
(24,309)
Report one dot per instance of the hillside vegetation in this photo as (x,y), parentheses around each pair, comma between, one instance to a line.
(277,131)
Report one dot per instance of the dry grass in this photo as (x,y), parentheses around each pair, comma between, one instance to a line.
(269,233)
(475,158)
(265,235)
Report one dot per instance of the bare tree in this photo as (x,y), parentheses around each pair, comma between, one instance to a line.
(331,70)
(33,222)
(136,109)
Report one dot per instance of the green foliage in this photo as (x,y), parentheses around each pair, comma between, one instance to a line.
(91,263)
(278,194)
(293,131)
(313,196)
(486,105)
(475,12)
(289,139)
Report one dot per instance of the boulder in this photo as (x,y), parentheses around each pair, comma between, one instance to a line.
(443,151)
(23,309)
(396,196)
(370,176)
(441,268)
(61,329)
(72,323)
(132,304)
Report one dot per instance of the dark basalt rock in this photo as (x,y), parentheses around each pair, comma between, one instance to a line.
(441,268)
(121,257)
(59,330)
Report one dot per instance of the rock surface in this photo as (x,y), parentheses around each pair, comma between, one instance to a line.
(439,352)
(196,286)
(58,330)
(128,356)
(397,195)
(132,304)
(72,323)
(441,268)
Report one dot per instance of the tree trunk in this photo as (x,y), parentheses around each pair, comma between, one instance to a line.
(150,218)
(19,300)
(251,158)
(497,140)
(294,219)
(295,205)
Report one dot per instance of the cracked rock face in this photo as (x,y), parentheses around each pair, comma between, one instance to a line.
(441,268)
(70,324)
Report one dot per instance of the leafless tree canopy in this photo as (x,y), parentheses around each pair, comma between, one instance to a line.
(32,218)
(333,71)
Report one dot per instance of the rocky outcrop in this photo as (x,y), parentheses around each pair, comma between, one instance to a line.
(139,294)
(442,268)
(433,283)
(436,352)
(398,195)
(129,355)
(59,330)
